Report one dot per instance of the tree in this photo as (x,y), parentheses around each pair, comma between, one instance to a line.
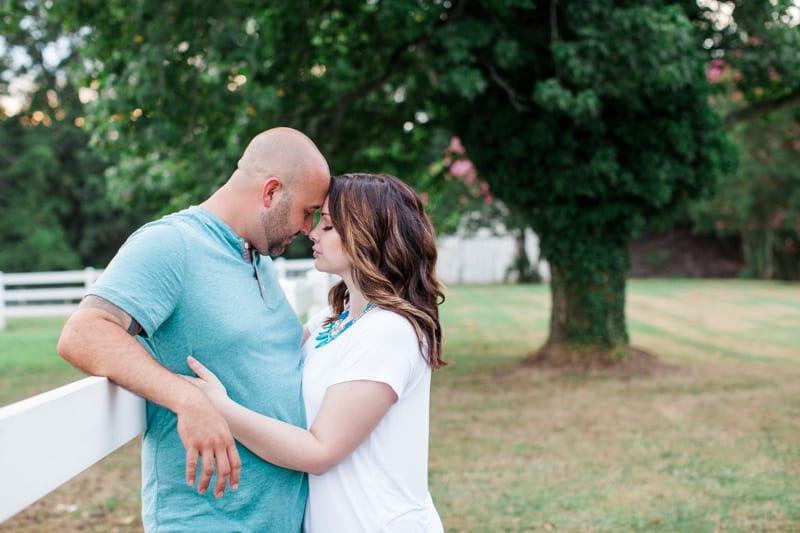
(53,210)
(756,71)
(594,118)
(759,41)
(179,96)
(760,203)
(585,117)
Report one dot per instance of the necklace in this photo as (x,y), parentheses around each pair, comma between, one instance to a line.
(338,326)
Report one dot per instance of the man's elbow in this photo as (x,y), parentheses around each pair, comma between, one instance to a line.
(72,346)
(66,347)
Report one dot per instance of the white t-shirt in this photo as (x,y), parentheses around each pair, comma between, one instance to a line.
(383,485)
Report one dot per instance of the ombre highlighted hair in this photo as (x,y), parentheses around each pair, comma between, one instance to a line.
(390,241)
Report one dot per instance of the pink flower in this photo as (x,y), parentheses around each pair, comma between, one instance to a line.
(455,145)
(777,218)
(713,74)
(736,96)
(461,168)
(715,70)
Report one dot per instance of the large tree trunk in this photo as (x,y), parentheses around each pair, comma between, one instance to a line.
(587,324)
(588,310)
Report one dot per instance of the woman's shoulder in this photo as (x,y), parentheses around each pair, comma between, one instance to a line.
(387,322)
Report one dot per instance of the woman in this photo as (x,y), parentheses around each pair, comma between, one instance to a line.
(367,369)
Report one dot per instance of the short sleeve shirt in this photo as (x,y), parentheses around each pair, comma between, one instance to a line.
(190,283)
(383,484)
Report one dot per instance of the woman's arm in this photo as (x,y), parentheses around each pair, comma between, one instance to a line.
(349,412)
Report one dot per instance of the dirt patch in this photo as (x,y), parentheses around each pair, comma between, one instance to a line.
(102,499)
(678,252)
(623,362)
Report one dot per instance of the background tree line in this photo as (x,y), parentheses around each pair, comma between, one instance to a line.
(588,121)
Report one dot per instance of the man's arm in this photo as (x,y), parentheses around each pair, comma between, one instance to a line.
(96,339)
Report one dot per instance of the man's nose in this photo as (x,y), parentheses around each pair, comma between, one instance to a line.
(308,225)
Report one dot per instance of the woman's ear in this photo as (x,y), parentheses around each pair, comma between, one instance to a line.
(271,186)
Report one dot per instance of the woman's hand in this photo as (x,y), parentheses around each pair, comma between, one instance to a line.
(207,382)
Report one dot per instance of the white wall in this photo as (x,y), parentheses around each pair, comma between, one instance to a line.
(483,257)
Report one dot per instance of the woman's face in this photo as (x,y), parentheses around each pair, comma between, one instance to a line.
(328,251)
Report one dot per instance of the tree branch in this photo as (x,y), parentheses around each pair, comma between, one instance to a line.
(760,108)
(513,97)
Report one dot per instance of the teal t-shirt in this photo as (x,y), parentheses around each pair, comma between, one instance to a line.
(188,281)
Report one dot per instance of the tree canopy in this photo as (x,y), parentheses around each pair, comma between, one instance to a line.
(586,117)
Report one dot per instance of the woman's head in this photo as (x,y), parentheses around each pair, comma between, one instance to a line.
(390,244)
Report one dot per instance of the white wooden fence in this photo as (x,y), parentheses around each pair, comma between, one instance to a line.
(31,462)
(42,294)
(52,437)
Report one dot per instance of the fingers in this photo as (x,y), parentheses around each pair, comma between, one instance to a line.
(206,470)
(191,379)
(225,461)
(236,466)
(196,366)
(202,372)
(228,468)
(191,466)
(223,473)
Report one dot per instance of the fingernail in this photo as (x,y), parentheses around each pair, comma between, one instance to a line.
(234,487)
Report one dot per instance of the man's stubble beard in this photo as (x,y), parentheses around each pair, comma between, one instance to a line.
(273,222)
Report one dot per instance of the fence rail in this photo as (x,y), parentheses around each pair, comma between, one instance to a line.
(44,438)
(42,294)
(48,294)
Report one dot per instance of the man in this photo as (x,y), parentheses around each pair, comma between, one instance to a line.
(192,283)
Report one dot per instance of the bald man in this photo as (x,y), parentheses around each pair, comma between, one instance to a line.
(201,281)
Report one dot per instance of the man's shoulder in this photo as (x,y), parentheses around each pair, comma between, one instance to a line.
(171,226)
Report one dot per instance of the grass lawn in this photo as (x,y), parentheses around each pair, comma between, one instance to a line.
(711,445)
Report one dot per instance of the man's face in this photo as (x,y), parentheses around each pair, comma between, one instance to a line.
(293,214)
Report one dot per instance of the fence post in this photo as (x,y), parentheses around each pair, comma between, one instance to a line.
(280,267)
(2,302)
(89,278)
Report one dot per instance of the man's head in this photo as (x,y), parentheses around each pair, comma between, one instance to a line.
(285,178)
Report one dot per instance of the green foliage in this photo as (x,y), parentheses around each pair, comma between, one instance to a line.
(761,202)
(756,73)
(586,119)
(54,213)
(52,199)
(759,40)
(179,96)
(602,123)
(457,198)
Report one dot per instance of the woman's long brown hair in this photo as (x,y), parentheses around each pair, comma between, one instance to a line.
(390,240)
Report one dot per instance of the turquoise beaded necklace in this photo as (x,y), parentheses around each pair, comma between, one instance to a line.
(338,326)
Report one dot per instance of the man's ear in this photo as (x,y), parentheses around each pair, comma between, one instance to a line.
(271,186)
